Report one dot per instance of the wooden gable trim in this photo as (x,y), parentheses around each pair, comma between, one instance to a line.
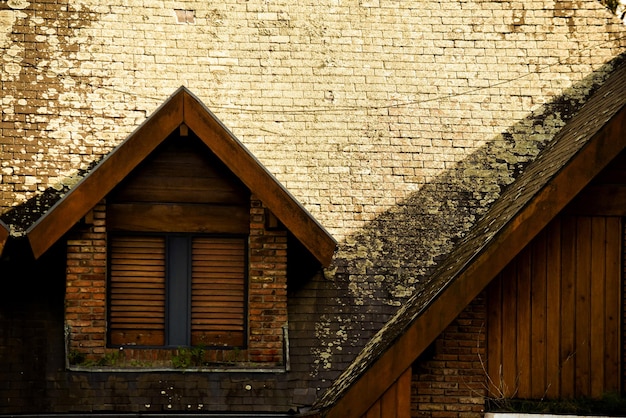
(260,181)
(603,147)
(113,169)
(181,108)
(4,235)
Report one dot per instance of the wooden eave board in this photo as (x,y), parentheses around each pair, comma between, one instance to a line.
(181,107)
(105,176)
(260,181)
(4,235)
(580,151)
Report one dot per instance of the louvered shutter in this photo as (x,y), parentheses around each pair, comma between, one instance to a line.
(218,294)
(137,290)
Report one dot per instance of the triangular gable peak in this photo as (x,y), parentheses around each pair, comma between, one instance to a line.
(4,235)
(181,108)
(583,148)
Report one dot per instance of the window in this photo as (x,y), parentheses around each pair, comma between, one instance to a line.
(177,290)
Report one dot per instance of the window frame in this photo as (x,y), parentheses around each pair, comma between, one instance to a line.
(187,237)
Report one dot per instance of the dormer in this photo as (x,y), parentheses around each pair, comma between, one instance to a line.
(177,249)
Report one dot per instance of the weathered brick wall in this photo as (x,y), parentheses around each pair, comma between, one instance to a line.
(450,379)
(86,284)
(363,97)
(86,300)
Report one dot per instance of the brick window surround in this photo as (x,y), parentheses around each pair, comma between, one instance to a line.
(86,300)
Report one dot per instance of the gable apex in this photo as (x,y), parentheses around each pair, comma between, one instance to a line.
(182,107)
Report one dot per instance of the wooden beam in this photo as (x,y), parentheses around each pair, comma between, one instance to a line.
(601,149)
(223,219)
(252,173)
(608,200)
(93,188)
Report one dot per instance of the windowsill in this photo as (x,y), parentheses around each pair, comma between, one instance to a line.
(217,369)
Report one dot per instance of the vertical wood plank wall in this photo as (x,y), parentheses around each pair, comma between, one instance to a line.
(395,402)
(554,313)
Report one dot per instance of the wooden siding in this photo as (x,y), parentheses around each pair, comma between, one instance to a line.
(554,313)
(218,291)
(395,402)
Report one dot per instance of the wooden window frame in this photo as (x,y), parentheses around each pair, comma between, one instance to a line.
(180,336)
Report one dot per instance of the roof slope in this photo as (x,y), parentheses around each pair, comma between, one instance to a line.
(181,108)
(585,145)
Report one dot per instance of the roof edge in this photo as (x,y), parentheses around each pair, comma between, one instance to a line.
(426,320)
(296,218)
(4,235)
(112,169)
(181,107)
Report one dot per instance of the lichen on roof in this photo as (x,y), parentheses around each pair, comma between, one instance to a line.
(606,101)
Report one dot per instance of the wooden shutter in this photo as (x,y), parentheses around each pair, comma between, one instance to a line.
(218,300)
(137,290)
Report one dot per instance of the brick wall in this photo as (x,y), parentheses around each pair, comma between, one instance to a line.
(85,294)
(86,305)
(267,300)
(449,379)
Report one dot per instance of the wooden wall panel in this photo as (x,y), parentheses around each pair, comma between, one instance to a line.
(554,313)
(583,309)
(538,334)
(553,307)
(180,187)
(395,402)
(568,307)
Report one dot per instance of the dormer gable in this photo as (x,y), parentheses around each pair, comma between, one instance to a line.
(178,242)
(182,111)
(180,187)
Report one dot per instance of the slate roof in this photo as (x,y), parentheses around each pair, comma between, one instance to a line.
(603,105)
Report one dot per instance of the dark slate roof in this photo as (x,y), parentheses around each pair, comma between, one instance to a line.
(22,216)
(605,103)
